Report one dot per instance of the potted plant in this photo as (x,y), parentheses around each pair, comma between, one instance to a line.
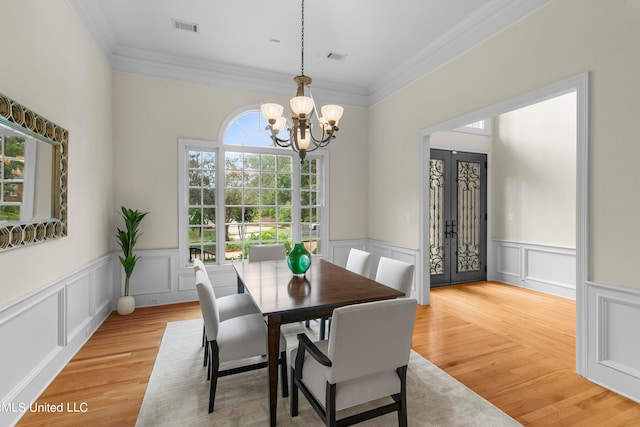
(127,240)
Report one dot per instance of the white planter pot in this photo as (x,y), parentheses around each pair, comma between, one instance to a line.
(126,305)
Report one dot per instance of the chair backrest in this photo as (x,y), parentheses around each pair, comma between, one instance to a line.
(395,274)
(370,338)
(198,265)
(266,252)
(359,262)
(208,305)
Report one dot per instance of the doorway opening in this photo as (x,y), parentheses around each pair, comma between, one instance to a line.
(579,84)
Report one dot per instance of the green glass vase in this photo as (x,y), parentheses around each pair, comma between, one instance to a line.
(299,259)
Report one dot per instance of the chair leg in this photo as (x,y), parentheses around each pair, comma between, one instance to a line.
(323,326)
(206,348)
(214,365)
(207,361)
(293,398)
(283,374)
(330,405)
(402,412)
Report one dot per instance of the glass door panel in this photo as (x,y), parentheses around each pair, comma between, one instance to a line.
(457,224)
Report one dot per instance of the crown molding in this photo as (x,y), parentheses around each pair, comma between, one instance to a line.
(486,22)
(96,26)
(154,64)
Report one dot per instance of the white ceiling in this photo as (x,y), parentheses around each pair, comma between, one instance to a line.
(385,44)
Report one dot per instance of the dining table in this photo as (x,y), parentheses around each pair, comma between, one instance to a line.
(284,297)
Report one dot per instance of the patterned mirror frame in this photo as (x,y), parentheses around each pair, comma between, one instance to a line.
(24,233)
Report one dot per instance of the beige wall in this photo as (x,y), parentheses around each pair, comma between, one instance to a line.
(50,65)
(54,69)
(564,39)
(151,114)
(534,173)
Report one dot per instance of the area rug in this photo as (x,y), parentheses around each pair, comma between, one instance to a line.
(178,391)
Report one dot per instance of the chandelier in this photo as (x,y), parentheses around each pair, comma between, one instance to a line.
(301,133)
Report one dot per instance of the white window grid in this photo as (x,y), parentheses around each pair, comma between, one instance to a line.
(317,181)
(311,204)
(259,194)
(201,205)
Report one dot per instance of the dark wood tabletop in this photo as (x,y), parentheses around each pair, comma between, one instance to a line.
(324,287)
(284,298)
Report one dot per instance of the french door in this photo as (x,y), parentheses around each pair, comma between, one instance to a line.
(458,217)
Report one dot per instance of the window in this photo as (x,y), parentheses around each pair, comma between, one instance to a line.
(245,191)
(481,127)
(201,205)
(310,204)
(258,198)
(12,156)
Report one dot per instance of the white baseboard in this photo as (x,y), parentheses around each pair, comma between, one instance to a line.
(548,269)
(43,331)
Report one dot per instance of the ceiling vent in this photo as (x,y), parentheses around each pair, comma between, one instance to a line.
(187,26)
(336,56)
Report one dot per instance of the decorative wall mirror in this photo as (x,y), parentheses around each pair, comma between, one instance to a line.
(33,177)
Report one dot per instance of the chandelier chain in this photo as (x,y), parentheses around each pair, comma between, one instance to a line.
(302,41)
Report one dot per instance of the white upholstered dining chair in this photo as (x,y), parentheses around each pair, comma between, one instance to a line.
(237,338)
(395,274)
(359,262)
(229,306)
(364,359)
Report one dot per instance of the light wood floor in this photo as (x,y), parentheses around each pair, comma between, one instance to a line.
(514,347)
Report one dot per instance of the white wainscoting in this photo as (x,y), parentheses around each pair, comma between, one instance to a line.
(41,332)
(339,252)
(548,269)
(160,278)
(613,357)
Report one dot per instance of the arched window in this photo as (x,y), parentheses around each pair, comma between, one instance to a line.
(246,191)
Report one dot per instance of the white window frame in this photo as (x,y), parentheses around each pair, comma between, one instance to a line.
(184,146)
(187,144)
(486,130)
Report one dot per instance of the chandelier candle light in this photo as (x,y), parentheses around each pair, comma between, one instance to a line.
(303,109)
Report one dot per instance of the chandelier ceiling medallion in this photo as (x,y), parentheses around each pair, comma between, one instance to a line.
(300,136)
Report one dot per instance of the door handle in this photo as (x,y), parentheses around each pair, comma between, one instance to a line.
(446,229)
(454,228)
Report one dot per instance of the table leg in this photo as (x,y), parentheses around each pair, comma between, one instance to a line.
(273,324)
(240,286)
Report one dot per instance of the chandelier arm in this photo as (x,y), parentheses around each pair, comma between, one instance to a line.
(315,109)
(279,141)
(322,141)
(320,144)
